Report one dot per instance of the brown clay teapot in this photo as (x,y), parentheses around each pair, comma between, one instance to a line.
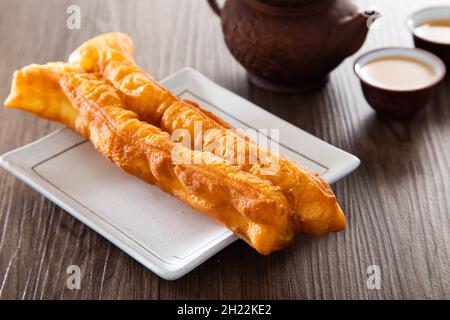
(292,45)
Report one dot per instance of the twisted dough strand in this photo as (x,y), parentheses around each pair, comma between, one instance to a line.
(251,207)
(316,211)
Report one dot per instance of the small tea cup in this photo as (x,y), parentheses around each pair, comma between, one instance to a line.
(399,103)
(440,47)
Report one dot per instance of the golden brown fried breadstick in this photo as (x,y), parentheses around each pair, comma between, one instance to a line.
(316,209)
(253,208)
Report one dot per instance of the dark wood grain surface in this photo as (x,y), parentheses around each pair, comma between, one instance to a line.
(397,203)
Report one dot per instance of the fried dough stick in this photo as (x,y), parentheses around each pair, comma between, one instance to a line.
(251,207)
(316,211)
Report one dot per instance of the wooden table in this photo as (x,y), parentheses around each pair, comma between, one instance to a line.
(397,203)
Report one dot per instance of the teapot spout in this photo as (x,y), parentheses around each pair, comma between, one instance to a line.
(356,29)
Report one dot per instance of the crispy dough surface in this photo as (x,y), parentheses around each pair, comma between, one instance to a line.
(253,208)
(316,211)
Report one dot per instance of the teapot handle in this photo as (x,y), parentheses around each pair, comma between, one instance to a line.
(215,7)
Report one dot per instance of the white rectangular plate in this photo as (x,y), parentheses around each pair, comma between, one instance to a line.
(156,229)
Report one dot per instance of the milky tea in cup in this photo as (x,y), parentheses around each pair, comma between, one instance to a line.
(398,73)
(437,30)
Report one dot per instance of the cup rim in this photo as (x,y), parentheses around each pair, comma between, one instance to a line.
(438,60)
(409,22)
